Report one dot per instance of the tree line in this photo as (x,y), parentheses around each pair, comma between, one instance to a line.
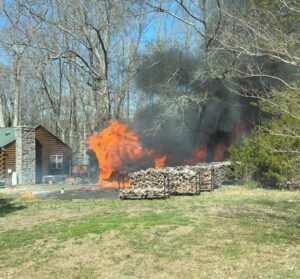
(74,65)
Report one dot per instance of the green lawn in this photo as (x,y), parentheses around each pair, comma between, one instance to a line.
(234,232)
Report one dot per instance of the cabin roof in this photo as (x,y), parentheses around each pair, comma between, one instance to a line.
(7,135)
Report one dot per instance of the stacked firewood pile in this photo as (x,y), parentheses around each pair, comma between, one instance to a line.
(290,185)
(222,173)
(153,178)
(146,184)
(184,180)
(173,179)
(205,175)
(212,175)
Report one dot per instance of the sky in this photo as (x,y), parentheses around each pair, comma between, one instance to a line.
(161,26)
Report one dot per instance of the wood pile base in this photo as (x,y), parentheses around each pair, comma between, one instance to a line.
(137,194)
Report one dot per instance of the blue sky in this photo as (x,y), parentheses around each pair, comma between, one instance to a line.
(161,26)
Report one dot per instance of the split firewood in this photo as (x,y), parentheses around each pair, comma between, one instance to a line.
(177,180)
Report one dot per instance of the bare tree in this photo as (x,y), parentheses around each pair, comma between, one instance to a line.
(18,32)
(96,29)
(239,36)
(4,76)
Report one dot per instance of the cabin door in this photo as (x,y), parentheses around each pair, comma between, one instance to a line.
(39,163)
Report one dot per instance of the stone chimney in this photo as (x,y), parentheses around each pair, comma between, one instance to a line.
(25,154)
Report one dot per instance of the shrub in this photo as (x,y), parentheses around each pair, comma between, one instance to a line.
(271,154)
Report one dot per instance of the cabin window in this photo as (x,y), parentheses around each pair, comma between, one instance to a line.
(56,162)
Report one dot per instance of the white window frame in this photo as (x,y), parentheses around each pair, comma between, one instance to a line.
(54,160)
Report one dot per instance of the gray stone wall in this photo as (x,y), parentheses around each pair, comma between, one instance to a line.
(25,154)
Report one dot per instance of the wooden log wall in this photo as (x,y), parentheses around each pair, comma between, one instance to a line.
(2,164)
(50,145)
(9,157)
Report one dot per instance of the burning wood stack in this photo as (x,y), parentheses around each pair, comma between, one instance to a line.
(181,180)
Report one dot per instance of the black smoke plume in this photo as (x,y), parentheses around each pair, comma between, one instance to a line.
(166,76)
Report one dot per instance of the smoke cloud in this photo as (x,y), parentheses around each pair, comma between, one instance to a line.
(169,75)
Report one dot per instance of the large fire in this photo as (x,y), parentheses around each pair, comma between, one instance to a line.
(119,149)
(114,146)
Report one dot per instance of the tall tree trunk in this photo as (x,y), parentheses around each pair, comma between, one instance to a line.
(58,129)
(2,122)
(73,86)
(17,89)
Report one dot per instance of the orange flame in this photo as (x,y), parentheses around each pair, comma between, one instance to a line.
(116,147)
(219,152)
(160,161)
(29,196)
(198,155)
(113,147)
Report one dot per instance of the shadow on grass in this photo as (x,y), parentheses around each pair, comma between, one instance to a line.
(7,207)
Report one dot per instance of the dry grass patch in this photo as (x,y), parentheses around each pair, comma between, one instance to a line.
(235,232)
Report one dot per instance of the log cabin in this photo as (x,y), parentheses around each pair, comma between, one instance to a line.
(32,153)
